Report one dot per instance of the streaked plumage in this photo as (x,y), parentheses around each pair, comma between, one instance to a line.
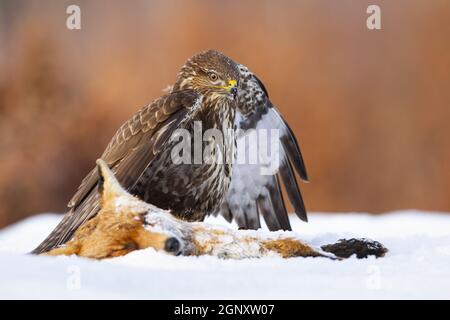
(139,154)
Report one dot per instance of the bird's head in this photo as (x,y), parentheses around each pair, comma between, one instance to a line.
(210,73)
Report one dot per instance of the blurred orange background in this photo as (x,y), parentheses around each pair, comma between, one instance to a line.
(371,108)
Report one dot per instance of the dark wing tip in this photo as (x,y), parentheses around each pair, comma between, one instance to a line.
(302,214)
(290,143)
(293,150)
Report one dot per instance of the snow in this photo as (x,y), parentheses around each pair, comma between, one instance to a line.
(417,265)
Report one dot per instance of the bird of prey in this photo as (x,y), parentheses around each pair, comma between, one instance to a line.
(215,91)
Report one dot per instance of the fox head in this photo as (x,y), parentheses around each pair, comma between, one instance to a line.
(116,201)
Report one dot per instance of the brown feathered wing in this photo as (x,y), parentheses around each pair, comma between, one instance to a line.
(134,146)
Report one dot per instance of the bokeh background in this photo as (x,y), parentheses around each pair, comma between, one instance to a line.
(371,109)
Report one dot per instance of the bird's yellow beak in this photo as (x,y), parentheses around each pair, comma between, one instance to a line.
(230,88)
(232,84)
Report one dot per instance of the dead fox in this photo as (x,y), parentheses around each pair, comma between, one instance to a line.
(125,223)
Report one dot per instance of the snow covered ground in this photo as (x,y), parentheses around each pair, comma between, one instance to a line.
(417,266)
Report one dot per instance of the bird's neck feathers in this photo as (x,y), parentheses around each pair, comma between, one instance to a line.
(215,112)
(185,78)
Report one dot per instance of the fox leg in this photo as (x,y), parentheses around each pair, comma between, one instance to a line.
(291,247)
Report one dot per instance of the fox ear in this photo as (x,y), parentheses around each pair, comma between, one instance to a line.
(108,186)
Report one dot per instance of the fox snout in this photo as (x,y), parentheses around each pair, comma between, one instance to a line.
(173,246)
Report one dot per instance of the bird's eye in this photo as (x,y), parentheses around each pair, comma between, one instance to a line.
(213,76)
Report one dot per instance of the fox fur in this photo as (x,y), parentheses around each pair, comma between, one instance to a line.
(125,223)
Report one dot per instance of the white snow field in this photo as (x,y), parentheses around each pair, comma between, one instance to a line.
(417,265)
